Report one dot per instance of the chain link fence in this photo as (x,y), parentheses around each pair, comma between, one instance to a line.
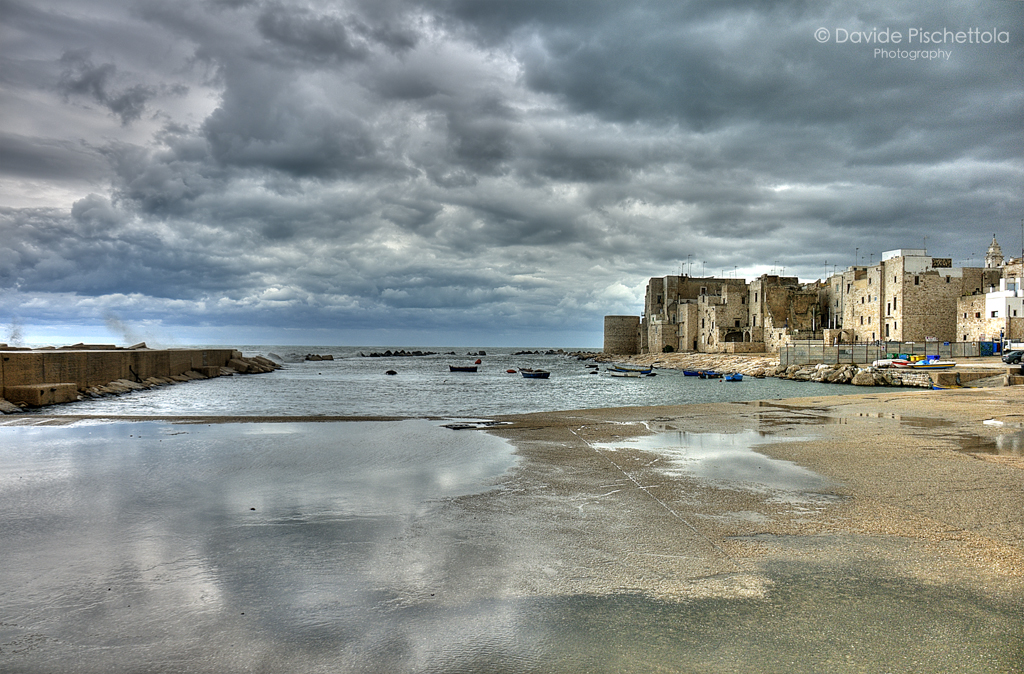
(810,353)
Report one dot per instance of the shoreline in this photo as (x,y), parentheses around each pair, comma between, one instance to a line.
(976,372)
(910,527)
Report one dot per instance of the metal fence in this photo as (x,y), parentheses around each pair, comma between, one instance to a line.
(808,352)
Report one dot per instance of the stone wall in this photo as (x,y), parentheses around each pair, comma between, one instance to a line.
(972,324)
(90,368)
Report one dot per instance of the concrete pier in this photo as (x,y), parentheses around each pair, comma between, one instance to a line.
(51,376)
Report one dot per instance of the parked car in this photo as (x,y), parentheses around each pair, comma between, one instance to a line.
(1012,357)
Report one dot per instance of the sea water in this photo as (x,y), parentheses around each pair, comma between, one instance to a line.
(357,385)
(321,547)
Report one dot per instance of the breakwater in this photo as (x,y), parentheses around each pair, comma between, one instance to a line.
(40,377)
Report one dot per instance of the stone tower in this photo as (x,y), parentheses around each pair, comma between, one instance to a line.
(620,335)
(994,257)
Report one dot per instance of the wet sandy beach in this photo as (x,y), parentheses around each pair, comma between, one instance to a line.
(875,532)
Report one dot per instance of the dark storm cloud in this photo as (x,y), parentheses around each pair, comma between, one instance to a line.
(49,158)
(394,164)
(80,76)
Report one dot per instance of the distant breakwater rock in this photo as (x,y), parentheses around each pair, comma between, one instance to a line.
(389,354)
(549,352)
(313,356)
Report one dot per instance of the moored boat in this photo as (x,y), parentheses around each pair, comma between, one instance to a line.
(462,368)
(890,362)
(534,374)
(621,368)
(933,365)
(735,376)
(690,373)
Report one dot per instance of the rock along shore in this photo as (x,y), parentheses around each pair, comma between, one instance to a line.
(986,372)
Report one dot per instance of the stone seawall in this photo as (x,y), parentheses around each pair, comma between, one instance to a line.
(768,366)
(51,376)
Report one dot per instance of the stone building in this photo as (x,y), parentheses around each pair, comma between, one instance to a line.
(992,306)
(715,315)
(672,311)
(909,296)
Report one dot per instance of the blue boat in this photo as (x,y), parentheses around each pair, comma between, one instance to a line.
(691,373)
(534,374)
(709,374)
(735,376)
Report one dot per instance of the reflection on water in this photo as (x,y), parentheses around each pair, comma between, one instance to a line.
(727,458)
(318,548)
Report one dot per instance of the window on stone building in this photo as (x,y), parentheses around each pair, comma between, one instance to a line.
(754,322)
(995,314)
(917,280)
(977,314)
(947,279)
(737,323)
(862,320)
(703,290)
(659,299)
(869,320)
(965,338)
(888,309)
(886,329)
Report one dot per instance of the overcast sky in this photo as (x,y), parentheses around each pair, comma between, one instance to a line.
(479,172)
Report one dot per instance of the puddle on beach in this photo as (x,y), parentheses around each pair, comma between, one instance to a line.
(728,459)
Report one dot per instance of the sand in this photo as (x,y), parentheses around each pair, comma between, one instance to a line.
(896,545)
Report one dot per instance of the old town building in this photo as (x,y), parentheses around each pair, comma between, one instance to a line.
(908,296)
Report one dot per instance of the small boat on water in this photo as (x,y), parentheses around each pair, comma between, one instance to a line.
(709,374)
(691,373)
(534,374)
(641,370)
(630,375)
(462,368)
(735,376)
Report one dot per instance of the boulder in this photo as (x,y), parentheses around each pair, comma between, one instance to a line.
(863,378)
(8,408)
